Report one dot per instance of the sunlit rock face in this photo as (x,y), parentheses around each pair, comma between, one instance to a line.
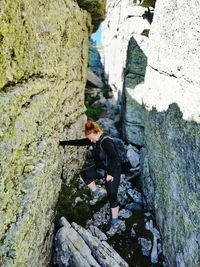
(43,71)
(165,104)
(171,97)
(173,65)
(124,19)
(125,41)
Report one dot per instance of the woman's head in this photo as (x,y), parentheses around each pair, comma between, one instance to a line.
(92,131)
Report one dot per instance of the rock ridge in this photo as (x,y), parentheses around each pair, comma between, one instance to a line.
(43,72)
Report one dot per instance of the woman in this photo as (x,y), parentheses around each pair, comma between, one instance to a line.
(107,164)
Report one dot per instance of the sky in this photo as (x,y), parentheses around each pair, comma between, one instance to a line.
(97,36)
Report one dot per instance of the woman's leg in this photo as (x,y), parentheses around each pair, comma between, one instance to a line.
(112,190)
(88,176)
(115,212)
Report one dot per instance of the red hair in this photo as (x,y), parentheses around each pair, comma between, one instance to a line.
(92,127)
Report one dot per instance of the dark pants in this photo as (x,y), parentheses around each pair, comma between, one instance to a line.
(92,173)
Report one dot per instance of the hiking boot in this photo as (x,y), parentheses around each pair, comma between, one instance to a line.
(116,228)
(97,195)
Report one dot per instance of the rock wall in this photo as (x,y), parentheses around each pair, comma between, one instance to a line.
(132,111)
(167,108)
(172,129)
(43,69)
(124,19)
(94,60)
(96,9)
(125,40)
(170,181)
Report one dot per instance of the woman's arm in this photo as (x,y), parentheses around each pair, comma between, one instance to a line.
(77,142)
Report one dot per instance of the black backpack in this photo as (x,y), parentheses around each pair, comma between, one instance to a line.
(120,147)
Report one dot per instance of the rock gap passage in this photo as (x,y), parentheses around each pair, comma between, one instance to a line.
(140,245)
(142,86)
(165,109)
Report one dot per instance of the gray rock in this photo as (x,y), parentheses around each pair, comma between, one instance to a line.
(108,126)
(133,123)
(125,185)
(134,206)
(156,236)
(154,252)
(172,139)
(102,217)
(133,157)
(135,195)
(146,246)
(77,200)
(71,250)
(101,101)
(95,60)
(95,231)
(77,247)
(172,131)
(98,248)
(180,260)
(125,213)
(122,198)
(43,64)
(94,79)
(146,179)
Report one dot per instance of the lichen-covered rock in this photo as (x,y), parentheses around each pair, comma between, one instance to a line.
(101,250)
(76,246)
(71,249)
(173,147)
(172,130)
(96,9)
(43,71)
(170,119)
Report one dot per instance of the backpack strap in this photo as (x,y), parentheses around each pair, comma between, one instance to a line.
(101,148)
(103,138)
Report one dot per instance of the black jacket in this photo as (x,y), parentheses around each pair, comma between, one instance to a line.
(108,147)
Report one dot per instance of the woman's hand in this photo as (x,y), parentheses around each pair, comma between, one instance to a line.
(109,178)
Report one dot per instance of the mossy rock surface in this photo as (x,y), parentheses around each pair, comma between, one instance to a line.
(173,152)
(43,69)
(97,10)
